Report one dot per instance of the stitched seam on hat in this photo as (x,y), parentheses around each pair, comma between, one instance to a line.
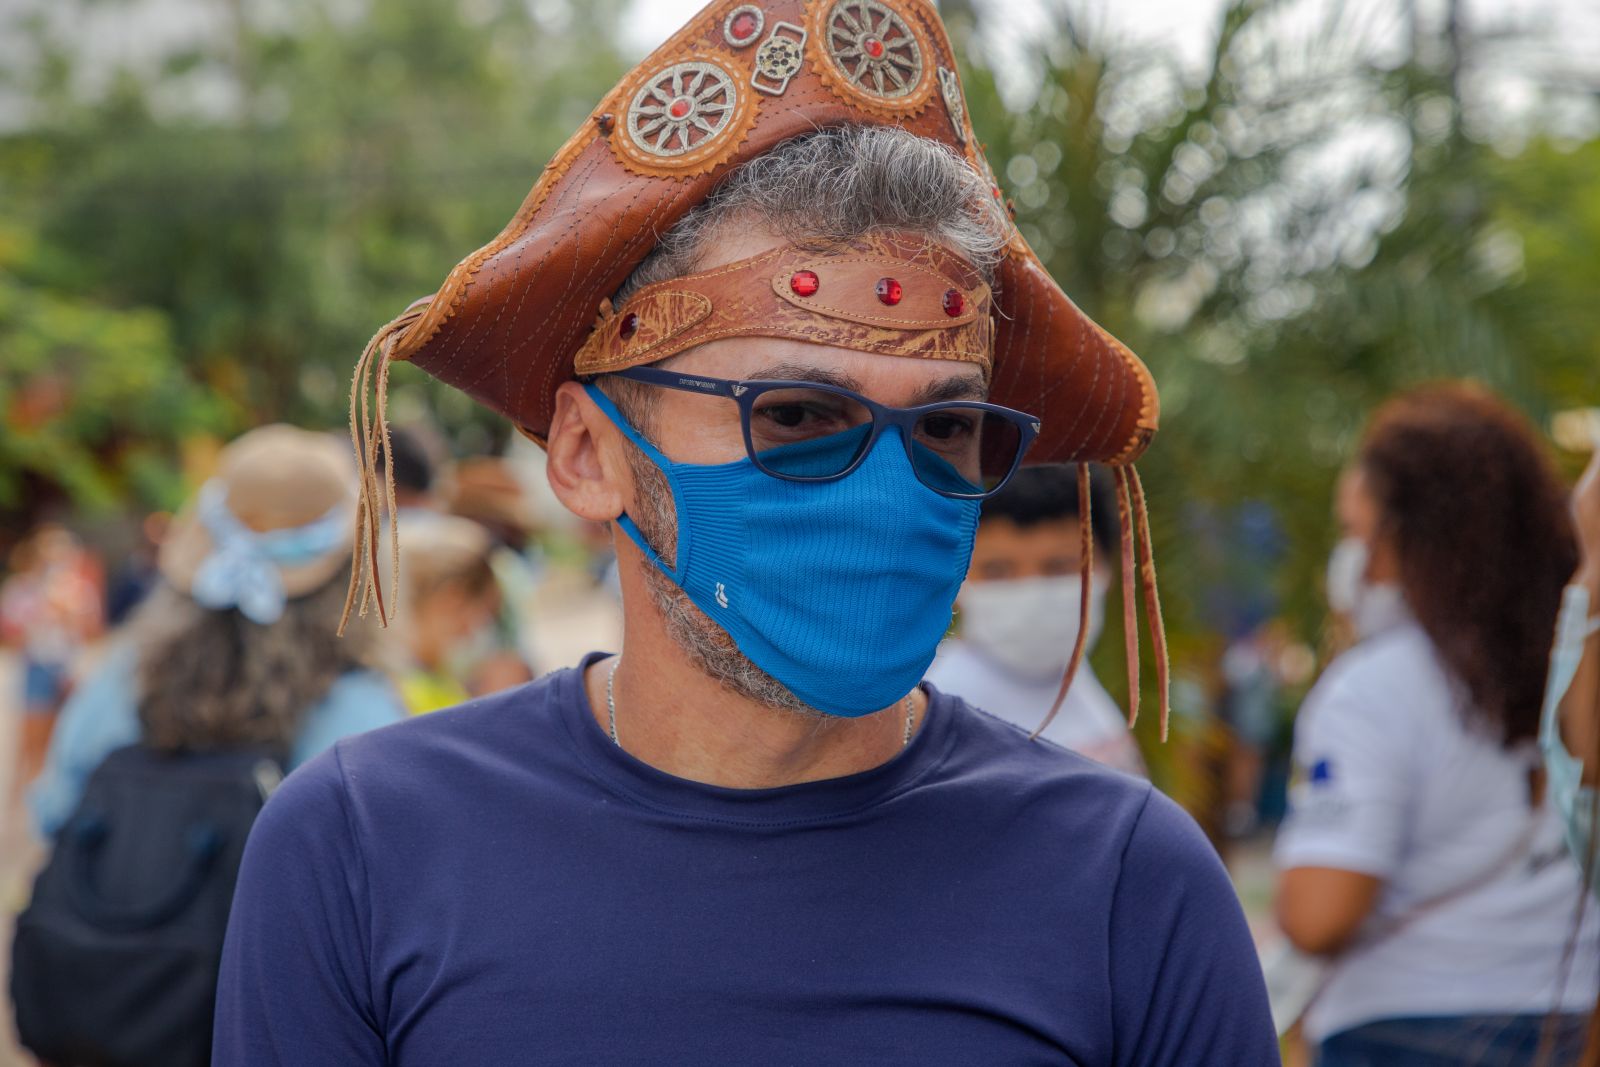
(609,257)
(565,365)
(486,325)
(552,174)
(516,349)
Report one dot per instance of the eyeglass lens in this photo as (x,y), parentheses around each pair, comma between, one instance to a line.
(814,433)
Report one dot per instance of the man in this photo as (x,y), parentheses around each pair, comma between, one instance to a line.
(1018,615)
(753,838)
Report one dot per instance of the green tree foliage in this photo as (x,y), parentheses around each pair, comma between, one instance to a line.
(1288,235)
(92,396)
(262,200)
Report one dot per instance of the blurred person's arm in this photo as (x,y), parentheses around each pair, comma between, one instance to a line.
(1346,829)
(100,717)
(1569,724)
(1580,706)
(1319,909)
(294,987)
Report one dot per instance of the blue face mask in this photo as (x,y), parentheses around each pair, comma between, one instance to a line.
(840,590)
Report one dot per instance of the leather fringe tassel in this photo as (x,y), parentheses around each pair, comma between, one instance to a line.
(1086,570)
(1130,591)
(1139,569)
(369,435)
(1152,603)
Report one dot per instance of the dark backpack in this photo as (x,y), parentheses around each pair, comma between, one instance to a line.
(115,959)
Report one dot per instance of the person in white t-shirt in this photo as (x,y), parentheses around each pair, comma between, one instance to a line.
(1420,853)
(1018,615)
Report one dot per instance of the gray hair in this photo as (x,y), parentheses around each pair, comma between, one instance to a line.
(820,191)
(825,189)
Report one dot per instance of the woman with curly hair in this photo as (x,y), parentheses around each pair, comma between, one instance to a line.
(237,645)
(1421,854)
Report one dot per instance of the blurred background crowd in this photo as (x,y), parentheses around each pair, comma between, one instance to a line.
(1293,210)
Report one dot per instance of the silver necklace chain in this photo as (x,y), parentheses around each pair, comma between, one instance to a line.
(611,707)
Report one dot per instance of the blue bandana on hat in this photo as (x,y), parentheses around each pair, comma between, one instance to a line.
(243,569)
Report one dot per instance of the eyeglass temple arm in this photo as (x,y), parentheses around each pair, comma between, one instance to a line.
(688,383)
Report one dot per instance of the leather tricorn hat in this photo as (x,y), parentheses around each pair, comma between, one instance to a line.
(737,80)
(520,316)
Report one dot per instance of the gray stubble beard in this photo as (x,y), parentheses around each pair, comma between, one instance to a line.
(706,644)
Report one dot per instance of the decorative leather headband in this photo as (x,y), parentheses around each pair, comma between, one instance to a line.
(883,296)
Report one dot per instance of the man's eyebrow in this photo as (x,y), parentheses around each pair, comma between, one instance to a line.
(801,372)
(961,387)
(958,387)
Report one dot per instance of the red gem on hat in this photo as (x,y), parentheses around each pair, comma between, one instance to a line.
(629,326)
(889,291)
(954,302)
(804,283)
(744,26)
(874,47)
(679,107)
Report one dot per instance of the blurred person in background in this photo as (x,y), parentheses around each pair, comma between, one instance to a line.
(413,453)
(1018,615)
(229,674)
(137,572)
(1569,730)
(452,602)
(1248,704)
(486,490)
(1420,855)
(238,640)
(50,610)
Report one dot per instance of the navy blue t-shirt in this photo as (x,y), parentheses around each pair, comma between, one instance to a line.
(500,884)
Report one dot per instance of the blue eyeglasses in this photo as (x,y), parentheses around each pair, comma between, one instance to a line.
(814,432)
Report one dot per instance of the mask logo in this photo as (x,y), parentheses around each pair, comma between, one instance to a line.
(1321,772)
(722,595)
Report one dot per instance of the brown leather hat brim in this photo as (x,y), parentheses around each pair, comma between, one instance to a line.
(509,319)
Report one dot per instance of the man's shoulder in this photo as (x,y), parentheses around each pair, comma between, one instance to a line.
(418,757)
(1002,757)
(1070,809)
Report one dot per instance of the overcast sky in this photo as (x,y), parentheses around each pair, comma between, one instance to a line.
(1186,26)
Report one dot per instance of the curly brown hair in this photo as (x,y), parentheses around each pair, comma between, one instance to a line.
(1476,511)
(212,678)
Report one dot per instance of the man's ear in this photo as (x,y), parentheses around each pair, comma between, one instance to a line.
(586,468)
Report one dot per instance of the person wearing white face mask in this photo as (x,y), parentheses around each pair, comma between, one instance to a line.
(1018,616)
(1422,857)
(1369,607)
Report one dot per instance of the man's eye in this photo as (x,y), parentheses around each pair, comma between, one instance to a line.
(786,415)
(946,427)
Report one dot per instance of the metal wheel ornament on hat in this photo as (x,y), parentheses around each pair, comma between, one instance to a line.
(874,48)
(532,308)
(681,108)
